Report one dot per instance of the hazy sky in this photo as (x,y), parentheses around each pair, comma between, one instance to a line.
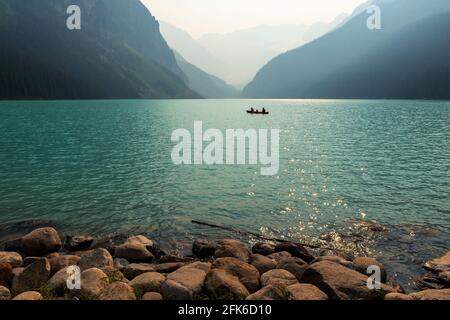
(205,16)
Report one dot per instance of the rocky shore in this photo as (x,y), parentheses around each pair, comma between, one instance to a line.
(36,267)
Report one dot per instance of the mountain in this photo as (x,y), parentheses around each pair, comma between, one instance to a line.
(408,58)
(237,56)
(208,86)
(118,53)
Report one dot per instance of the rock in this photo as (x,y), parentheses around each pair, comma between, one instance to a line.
(5,294)
(41,241)
(247,274)
(269,293)
(29,296)
(221,285)
(175,259)
(135,269)
(278,277)
(278,256)
(204,248)
(58,283)
(6,274)
(295,249)
(397,296)
(93,283)
(118,291)
(78,243)
(341,283)
(17,271)
(432,294)
(263,263)
(135,249)
(263,248)
(32,277)
(150,281)
(335,259)
(29,260)
(362,264)
(440,264)
(305,292)
(234,249)
(294,265)
(152,296)
(14,245)
(60,262)
(120,264)
(13,258)
(97,258)
(113,274)
(168,267)
(444,277)
(185,283)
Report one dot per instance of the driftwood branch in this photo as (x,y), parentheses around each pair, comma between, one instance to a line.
(260,236)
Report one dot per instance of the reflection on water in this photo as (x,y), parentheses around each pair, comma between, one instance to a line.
(104,167)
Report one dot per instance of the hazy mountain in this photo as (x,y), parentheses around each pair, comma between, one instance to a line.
(408,58)
(118,53)
(237,56)
(208,86)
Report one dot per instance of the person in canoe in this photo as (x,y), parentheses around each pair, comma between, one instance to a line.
(264,110)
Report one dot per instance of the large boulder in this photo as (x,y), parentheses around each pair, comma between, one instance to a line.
(135,249)
(97,258)
(438,265)
(33,277)
(5,294)
(118,291)
(295,249)
(12,258)
(341,283)
(278,277)
(120,264)
(168,267)
(6,274)
(263,248)
(269,293)
(60,262)
(263,263)
(221,285)
(58,282)
(234,249)
(204,248)
(150,281)
(432,294)
(93,283)
(41,241)
(136,269)
(185,283)
(362,264)
(247,274)
(29,296)
(294,265)
(77,243)
(304,292)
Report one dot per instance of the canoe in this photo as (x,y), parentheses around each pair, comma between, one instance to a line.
(257,112)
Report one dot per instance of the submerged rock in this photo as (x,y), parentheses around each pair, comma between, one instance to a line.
(204,248)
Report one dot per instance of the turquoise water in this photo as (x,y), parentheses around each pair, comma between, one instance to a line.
(104,167)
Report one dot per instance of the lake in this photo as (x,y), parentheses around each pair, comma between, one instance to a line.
(104,167)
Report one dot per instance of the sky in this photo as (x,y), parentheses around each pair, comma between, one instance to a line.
(199,17)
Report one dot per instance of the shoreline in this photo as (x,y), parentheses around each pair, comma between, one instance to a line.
(35,267)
